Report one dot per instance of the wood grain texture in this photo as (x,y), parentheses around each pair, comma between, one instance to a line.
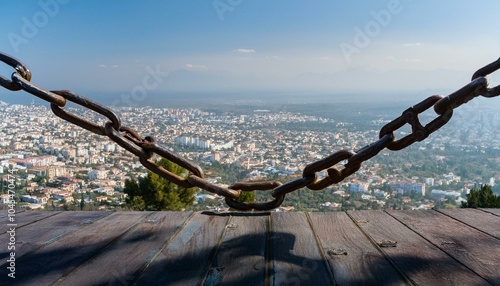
(354,260)
(472,248)
(49,263)
(421,261)
(493,211)
(445,247)
(125,258)
(48,230)
(484,221)
(241,257)
(4,211)
(294,253)
(185,258)
(24,218)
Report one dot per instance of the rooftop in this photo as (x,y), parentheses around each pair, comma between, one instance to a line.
(430,247)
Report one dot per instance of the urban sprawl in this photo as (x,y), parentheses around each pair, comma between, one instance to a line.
(55,163)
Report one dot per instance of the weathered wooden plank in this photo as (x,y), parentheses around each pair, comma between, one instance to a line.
(125,259)
(49,263)
(484,221)
(241,258)
(354,260)
(24,218)
(493,211)
(206,248)
(184,260)
(48,230)
(421,261)
(474,249)
(294,254)
(4,211)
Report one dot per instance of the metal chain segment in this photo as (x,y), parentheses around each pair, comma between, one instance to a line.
(20,68)
(463,95)
(410,116)
(369,151)
(255,206)
(487,69)
(207,186)
(326,163)
(146,147)
(255,186)
(89,104)
(292,186)
(484,71)
(46,95)
(125,142)
(151,146)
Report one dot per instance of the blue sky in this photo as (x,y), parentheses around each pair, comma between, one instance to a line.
(229,45)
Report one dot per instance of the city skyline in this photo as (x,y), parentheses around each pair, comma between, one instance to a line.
(252,145)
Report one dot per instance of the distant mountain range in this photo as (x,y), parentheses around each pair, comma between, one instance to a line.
(353,80)
(355,85)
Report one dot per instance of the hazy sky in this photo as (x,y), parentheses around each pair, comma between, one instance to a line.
(195,45)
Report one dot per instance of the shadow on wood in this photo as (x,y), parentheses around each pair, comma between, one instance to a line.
(183,248)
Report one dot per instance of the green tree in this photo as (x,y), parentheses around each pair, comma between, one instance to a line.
(247,197)
(82,202)
(156,193)
(482,198)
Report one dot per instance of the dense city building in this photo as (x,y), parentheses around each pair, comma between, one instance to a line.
(51,153)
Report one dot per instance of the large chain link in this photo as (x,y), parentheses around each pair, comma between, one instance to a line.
(146,147)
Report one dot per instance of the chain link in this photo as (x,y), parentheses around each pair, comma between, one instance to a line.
(410,116)
(89,104)
(463,95)
(255,186)
(146,147)
(24,84)
(484,71)
(20,68)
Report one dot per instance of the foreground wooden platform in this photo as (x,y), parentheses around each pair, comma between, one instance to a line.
(433,247)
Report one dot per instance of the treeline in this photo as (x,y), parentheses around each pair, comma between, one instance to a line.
(482,198)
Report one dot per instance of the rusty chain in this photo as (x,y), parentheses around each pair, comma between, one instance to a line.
(146,147)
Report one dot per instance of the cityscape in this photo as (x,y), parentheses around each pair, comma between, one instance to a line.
(193,142)
(54,164)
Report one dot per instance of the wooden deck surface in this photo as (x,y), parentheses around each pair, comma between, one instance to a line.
(432,247)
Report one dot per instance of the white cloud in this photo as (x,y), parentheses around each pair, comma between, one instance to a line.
(413,60)
(413,44)
(106,66)
(196,67)
(272,57)
(244,50)
(390,57)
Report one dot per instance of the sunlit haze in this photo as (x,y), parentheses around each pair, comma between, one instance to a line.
(109,47)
